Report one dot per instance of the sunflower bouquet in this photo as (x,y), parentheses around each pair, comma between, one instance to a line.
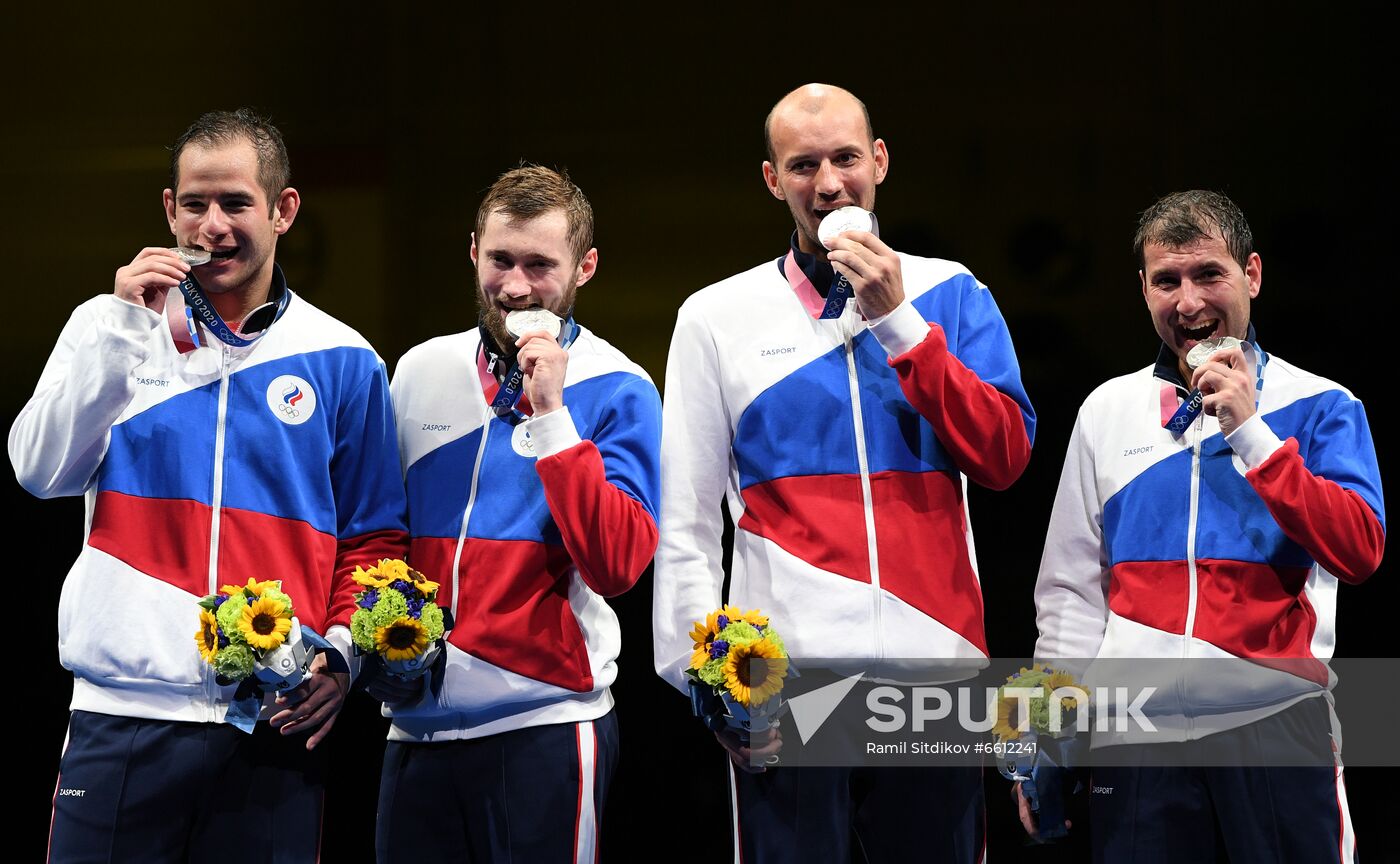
(1036,746)
(251,632)
(1019,713)
(397,618)
(736,669)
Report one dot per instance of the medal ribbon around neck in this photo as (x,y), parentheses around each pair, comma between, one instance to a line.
(835,302)
(198,308)
(1192,406)
(511,388)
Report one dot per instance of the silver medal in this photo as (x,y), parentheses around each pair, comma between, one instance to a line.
(522,321)
(192,257)
(1202,351)
(850,218)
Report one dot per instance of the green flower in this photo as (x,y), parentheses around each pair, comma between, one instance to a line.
(391,607)
(739,633)
(271,593)
(431,618)
(1037,707)
(712,673)
(234,660)
(229,614)
(362,629)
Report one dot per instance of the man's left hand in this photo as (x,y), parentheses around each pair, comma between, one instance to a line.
(1228,388)
(1026,815)
(313,704)
(872,269)
(543,363)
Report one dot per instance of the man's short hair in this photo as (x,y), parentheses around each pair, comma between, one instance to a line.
(768,124)
(1183,218)
(219,128)
(533,190)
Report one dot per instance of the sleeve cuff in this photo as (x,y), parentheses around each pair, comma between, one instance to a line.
(126,315)
(900,330)
(339,637)
(552,433)
(1253,441)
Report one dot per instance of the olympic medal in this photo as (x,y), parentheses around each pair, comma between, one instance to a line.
(844,219)
(192,257)
(522,321)
(1202,351)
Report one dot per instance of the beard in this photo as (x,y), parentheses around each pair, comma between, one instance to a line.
(809,234)
(490,315)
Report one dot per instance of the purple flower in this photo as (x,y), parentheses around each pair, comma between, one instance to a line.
(718,649)
(219,600)
(370,598)
(415,607)
(759,627)
(722,621)
(405,588)
(223,640)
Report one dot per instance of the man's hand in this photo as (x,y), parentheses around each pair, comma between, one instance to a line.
(393,690)
(1023,810)
(149,276)
(762,747)
(543,363)
(1225,382)
(872,269)
(313,704)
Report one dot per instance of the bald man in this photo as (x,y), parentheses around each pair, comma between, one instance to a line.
(837,398)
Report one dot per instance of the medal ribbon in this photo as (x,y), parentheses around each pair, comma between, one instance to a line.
(1191,407)
(506,394)
(183,331)
(830,307)
(198,307)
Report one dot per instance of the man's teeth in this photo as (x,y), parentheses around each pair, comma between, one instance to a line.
(1200,331)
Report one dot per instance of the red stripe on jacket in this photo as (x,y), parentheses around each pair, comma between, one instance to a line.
(609,534)
(981,427)
(920,537)
(1335,525)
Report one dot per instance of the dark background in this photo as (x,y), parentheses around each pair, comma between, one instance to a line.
(1023,142)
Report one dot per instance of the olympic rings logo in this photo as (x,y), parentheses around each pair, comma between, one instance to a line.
(291,399)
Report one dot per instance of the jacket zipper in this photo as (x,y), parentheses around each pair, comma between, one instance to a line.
(467,515)
(867,500)
(215,520)
(1192,586)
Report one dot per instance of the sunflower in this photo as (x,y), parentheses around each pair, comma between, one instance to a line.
(208,636)
(370,578)
(424,585)
(254,587)
(1062,679)
(402,639)
(703,635)
(265,624)
(1004,729)
(754,671)
(754,617)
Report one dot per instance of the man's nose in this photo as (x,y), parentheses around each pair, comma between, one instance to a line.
(1190,299)
(515,284)
(828,180)
(215,222)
